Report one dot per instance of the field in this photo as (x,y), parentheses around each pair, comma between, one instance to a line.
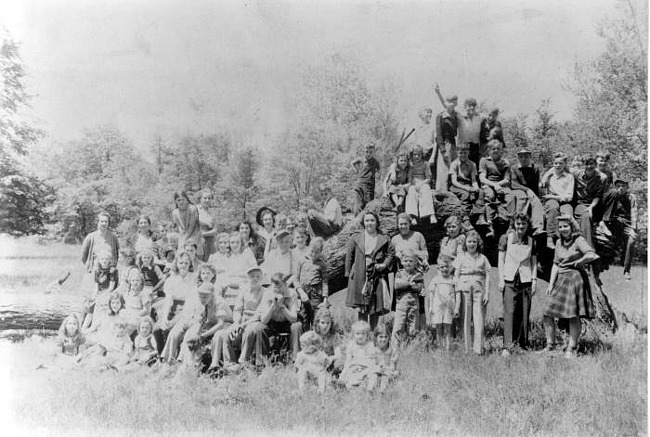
(603,392)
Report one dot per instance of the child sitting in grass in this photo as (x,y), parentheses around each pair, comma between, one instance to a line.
(105,313)
(443,303)
(360,359)
(146,349)
(324,326)
(387,358)
(311,362)
(112,352)
(70,339)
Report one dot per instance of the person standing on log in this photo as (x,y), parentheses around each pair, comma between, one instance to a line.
(446,131)
(368,261)
(569,292)
(101,240)
(206,222)
(469,130)
(366,170)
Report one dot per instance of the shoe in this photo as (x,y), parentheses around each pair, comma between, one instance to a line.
(627,275)
(550,243)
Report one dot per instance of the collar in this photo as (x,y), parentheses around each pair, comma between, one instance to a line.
(517,240)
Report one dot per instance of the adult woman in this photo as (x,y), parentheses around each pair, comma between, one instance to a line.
(101,240)
(368,261)
(186,219)
(206,222)
(265,217)
(568,289)
(251,239)
(144,238)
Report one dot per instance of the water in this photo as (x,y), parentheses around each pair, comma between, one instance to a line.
(33,311)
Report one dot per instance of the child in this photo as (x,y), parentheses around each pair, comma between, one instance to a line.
(517,282)
(360,359)
(324,326)
(170,260)
(106,280)
(397,181)
(463,180)
(129,259)
(494,175)
(311,279)
(419,200)
(219,259)
(452,244)
(241,260)
(146,348)
(408,285)
(606,174)
(301,240)
(106,313)
(70,339)
(136,303)
(311,361)
(366,170)
(443,302)
(387,358)
(473,280)
(113,351)
(206,274)
(153,276)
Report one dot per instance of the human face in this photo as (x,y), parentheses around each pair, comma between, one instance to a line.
(444,269)
(404,226)
(324,325)
(402,161)
(183,265)
(204,298)
(524,159)
(71,326)
(361,338)
(235,244)
(382,341)
(492,118)
(453,229)
(145,329)
(495,153)
(590,168)
(463,155)
(621,188)
(601,162)
(143,225)
(417,156)
(521,226)
(255,277)
(119,330)
(408,263)
(426,115)
(267,221)
(564,228)
(102,223)
(147,259)
(102,307)
(291,225)
(206,276)
(284,243)
(104,261)
(223,245)
(191,251)
(300,240)
(115,304)
(369,152)
(370,223)
(244,231)
(472,244)
(316,253)
(471,110)
(170,256)
(559,164)
(279,289)
(136,283)
(182,203)
(205,199)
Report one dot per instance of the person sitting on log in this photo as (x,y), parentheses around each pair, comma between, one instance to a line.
(558,185)
(606,174)
(463,182)
(494,175)
(419,200)
(330,221)
(491,129)
(524,182)
(620,215)
(366,170)
(397,181)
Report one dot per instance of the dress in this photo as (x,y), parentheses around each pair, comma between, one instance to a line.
(571,293)
(360,362)
(189,228)
(206,223)
(442,299)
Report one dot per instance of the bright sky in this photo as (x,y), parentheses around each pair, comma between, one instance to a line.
(197,66)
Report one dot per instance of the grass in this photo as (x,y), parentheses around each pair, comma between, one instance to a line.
(600,393)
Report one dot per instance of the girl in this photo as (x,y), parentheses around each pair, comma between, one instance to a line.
(324,326)
(240,262)
(387,357)
(265,217)
(568,289)
(301,239)
(100,331)
(473,280)
(360,359)
(186,219)
(452,244)
(106,280)
(153,276)
(311,361)
(517,281)
(219,259)
(443,303)
(419,199)
(207,224)
(397,182)
(251,239)
(146,349)
(70,339)
(170,258)
(144,237)
(206,275)
(129,262)
(136,303)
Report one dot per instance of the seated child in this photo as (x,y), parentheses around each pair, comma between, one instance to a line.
(136,303)
(387,358)
(397,181)
(360,359)
(463,176)
(311,362)
(419,200)
(153,276)
(408,285)
(146,349)
(69,339)
(112,352)
(106,312)
(324,326)
(494,175)
(443,302)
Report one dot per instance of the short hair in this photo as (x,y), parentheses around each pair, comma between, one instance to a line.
(494,111)
(590,160)
(115,295)
(190,244)
(575,228)
(317,242)
(145,217)
(279,278)
(417,149)
(521,217)
(310,338)
(402,155)
(223,236)
(470,102)
(104,214)
(560,155)
(360,326)
(370,145)
(473,233)
(252,232)
(603,154)
(146,319)
(372,213)
(424,109)
(452,219)
(404,216)
(410,253)
(179,194)
(462,146)
(381,329)
(444,259)
(178,258)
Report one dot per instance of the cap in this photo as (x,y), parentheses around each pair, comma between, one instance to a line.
(524,151)
(620,181)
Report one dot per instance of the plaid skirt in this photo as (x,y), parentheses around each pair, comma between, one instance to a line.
(571,296)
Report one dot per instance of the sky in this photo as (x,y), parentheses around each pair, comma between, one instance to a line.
(178,67)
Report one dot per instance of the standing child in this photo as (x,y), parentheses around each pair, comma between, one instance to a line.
(146,348)
(452,244)
(70,339)
(473,280)
(311,279)
(366,170)
(311,362)
(397,181)
(360,359)
(443,302)
(106,280)
(387,357)
(408,285)
(517,282)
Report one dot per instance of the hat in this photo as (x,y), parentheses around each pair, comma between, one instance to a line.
(524,151)
(261,212)
(253,269)
(453,98)
(282,233)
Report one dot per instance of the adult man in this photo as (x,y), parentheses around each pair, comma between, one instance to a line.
(620,214)
(524,182)
(469,129)
(588,192)
(328,222)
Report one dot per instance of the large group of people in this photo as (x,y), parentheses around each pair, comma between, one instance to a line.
(187,291)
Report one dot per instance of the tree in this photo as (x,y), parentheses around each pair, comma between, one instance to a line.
(240,188)
(23,197)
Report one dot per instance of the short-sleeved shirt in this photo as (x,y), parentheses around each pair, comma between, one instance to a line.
(248,302)
(587,188)
(452,246)
(443,290)
(571,251)
(465,171)
(494,171)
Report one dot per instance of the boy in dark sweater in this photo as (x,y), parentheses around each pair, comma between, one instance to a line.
(366,170)
(524,183)
(408,285)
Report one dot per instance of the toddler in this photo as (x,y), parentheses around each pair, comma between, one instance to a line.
(324,326)
(387,358)
(443,302)
(146,348)
(311,361)
(360,359)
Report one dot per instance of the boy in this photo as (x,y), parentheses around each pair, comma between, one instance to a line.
(524,182)
(106,279)
(559,193)
(366,170)
(311,279)
(588,190)
(463,180)
(494,175)
(606,174)
(469,129)
(491,129)
(408,285)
